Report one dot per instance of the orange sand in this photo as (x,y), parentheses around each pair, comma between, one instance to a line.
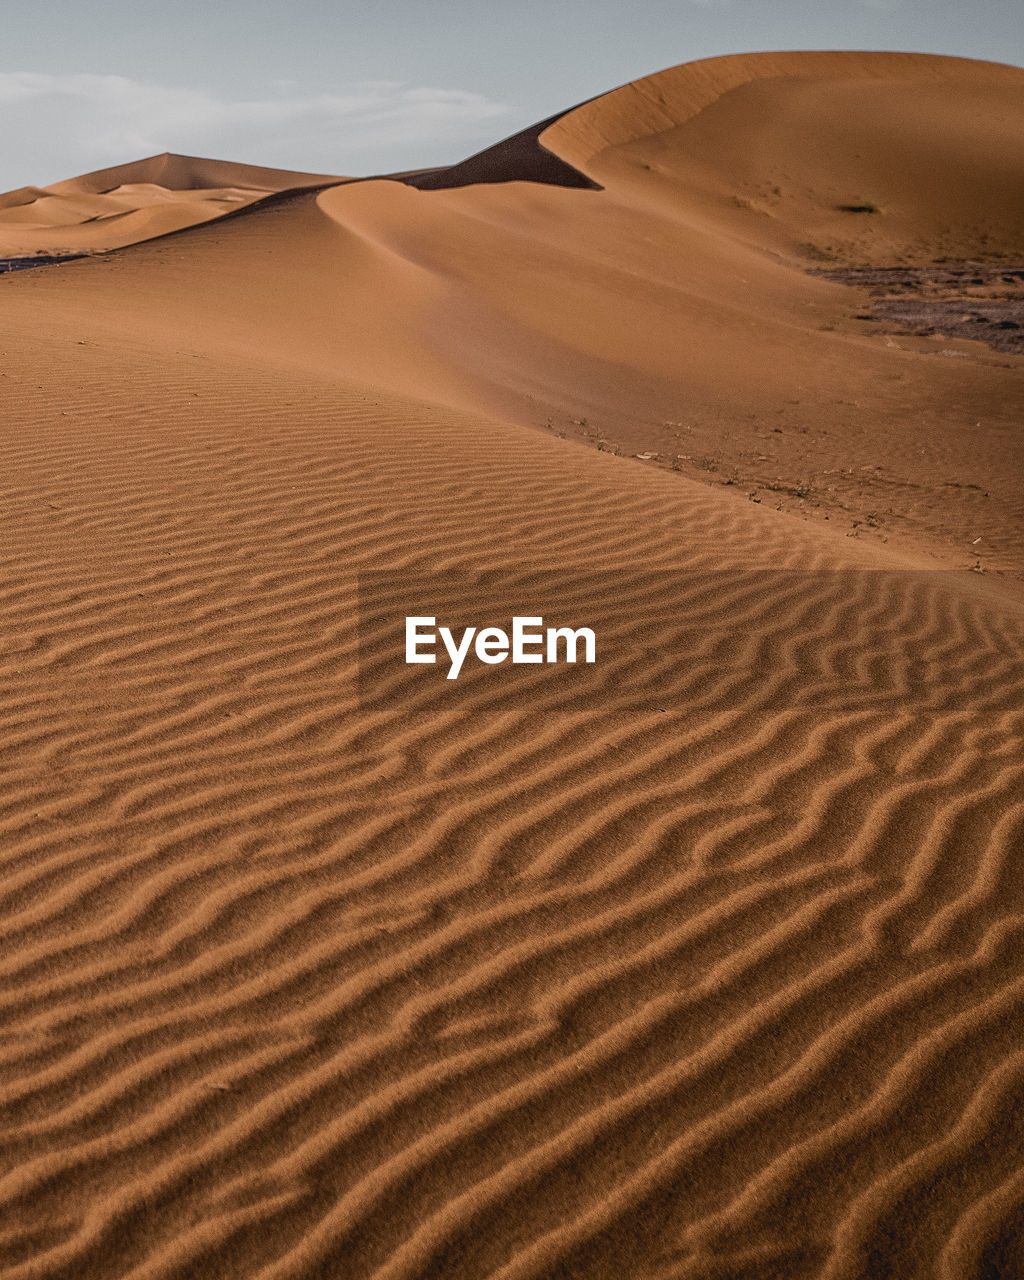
(729,985)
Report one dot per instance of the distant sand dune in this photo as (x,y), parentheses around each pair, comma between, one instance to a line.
(300,985)
(147,198)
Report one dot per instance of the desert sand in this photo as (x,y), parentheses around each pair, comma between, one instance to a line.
(709,968)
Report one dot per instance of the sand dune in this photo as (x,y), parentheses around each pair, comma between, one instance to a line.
(705,963)
(123,205)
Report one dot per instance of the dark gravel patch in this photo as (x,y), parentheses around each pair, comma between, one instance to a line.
(980,301)
(37,260)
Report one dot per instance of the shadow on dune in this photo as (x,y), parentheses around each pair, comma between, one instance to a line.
(520,158)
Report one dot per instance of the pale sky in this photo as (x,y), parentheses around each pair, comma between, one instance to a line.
(376,87)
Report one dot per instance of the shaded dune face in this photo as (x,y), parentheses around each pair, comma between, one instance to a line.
(313,970)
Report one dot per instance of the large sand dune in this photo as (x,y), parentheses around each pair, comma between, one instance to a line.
(709,967)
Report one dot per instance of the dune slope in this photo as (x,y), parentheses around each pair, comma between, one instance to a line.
(705,963)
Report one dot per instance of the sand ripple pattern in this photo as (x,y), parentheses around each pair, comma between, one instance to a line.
(294,988)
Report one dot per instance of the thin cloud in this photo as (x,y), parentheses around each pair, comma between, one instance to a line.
(56,126)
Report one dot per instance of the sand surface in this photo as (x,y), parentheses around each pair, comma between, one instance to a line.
(707,965)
